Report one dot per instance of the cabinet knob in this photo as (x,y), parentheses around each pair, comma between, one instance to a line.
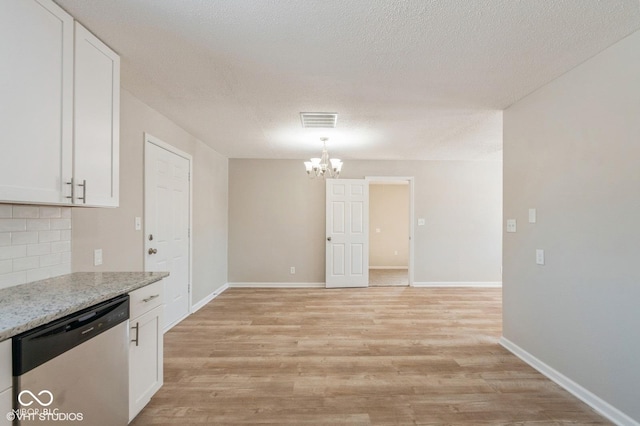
(153,251)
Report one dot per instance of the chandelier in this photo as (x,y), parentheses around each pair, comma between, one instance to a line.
(324,167)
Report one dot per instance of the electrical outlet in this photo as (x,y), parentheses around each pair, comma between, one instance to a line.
(97,257)
(532,215)
(511,225)
(292,271)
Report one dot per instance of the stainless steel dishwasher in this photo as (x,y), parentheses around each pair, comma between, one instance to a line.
(75,370)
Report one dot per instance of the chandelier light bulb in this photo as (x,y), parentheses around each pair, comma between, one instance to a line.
(324,166)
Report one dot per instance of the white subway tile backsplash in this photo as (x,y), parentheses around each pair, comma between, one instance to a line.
(50,212)
(25,263)
(12,252)
(60,246)
(14,278)
(38,224)
(51,259)
(10,225)
(38,274)
(38,249)
(6,266)
(48,236)
(19,238)
(6,211)
(66,257)
(26,212)
(60,223)
(63,268)
(35,243)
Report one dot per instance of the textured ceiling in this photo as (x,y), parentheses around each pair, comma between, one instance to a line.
(414,79)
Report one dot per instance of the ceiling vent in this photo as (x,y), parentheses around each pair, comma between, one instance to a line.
(319,120)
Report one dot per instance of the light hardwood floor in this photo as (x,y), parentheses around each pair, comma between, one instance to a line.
(388,277)
(353,356)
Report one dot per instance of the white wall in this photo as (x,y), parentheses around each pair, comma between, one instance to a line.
(113,229)
(277,219)
(572,150)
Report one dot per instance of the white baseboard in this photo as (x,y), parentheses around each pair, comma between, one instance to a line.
(209,298)
(388,267)
(594,401)
(276,285)
(457,284)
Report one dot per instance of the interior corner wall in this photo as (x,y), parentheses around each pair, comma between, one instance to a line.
(572,150)
(388,226)
(277,219)
(113,231)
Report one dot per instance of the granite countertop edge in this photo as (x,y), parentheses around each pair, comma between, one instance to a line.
(30,305)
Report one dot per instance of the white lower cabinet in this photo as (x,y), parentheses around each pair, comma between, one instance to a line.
(146,347)
(6,393)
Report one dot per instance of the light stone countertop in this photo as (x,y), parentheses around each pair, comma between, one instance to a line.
(30,305)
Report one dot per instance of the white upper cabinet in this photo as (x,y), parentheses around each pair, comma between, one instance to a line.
(59,109)
(36,102)
(96,121)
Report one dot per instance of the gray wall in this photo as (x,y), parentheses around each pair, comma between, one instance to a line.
(388,225)
(572,150)
(277,219)
(113,229)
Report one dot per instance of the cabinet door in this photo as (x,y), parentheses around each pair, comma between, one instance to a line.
(96,121)
(6,407)
(5,382)
(145,359)
(36,99)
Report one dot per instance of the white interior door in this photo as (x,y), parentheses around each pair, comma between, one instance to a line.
(167,223)
(347,255)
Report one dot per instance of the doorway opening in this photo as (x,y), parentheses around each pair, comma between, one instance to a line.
(390,232)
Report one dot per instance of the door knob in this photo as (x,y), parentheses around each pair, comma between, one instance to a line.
(153,251)
(328,238)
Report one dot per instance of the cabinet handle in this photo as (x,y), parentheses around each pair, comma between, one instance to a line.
(84,191)
(72,189)
(137,328)
(150,298)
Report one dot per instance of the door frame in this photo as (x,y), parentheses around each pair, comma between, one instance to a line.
(411,181)
(150,139)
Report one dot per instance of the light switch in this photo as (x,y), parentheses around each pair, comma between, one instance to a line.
(138,223)
(97,257)
(532,215)
(511,225)
(539,256)
(421,222)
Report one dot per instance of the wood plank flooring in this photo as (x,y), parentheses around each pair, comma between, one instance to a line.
(384,356)
(388,277)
